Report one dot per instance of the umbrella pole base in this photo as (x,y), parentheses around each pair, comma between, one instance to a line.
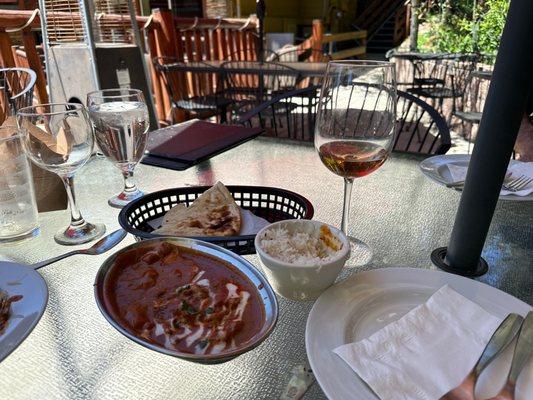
(438,258)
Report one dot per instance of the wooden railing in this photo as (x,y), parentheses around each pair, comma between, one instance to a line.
(318,39)
(166,35)
(195,39)
(22,22)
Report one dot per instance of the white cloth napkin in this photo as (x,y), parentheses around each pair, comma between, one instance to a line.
(517,169)
(427,352)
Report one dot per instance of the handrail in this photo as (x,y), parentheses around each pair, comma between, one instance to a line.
(389,15)
(192,27)
(245,25)
(13,19)
(184,23)
(148,23)
(341,37)
(28,23)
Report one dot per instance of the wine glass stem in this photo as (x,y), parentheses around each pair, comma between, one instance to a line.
(76,218)
(129,184)
(348,184)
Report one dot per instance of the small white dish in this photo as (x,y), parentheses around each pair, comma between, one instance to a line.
(18,279)
(436,169)
(362,304)
(302,282)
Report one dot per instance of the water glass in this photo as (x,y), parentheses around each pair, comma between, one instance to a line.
(58,137)
(18,208)
(120,120)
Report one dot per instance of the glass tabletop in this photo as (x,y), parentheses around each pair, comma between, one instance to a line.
(74,353)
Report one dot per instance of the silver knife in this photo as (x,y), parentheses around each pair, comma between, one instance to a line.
(522,353)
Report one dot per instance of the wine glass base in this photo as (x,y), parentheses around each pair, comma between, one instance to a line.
(124,198)
(360,253)
(81,234)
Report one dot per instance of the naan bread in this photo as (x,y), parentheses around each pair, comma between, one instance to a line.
(214,213)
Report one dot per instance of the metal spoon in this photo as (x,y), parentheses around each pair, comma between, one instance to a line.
(522,352)
(499,341)
(103,245)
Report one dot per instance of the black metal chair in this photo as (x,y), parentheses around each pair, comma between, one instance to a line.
(195,93)
(443,77)
(250,54)
(291,115)
(16,90)
(295,54)
(473,102)
(251,83)
(420,128)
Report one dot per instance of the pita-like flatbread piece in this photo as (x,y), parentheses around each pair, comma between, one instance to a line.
(214,213)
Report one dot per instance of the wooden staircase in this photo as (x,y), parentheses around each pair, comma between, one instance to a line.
(386,22)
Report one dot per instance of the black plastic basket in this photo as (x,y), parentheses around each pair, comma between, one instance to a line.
(270,203)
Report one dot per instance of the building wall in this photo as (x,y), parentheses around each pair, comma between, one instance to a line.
(286,15)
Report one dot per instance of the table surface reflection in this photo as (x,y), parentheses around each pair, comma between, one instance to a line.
(74,353)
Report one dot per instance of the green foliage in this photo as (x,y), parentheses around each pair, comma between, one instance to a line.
(459,27)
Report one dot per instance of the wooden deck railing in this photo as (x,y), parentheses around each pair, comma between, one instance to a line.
(195,39)
(318,39)
(166,35)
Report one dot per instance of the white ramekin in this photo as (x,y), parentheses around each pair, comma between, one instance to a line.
(302,282)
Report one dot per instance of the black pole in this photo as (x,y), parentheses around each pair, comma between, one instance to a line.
(512,82)
(260,9)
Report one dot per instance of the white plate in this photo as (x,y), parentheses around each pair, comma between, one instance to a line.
(435,169)
(361,305)
(25,313)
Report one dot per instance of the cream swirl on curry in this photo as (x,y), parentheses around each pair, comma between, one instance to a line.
(182,299)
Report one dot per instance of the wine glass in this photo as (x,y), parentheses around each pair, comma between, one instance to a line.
(58,137)
(355,128)
(120,120)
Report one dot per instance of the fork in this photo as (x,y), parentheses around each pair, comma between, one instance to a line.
(522,353)
(517,184)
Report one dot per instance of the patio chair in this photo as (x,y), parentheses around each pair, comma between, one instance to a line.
(195,93)
(294,54)
(250,55)
(250,83)
(16,90)
(472,103)
(290,115)
(444,77)
(420,128)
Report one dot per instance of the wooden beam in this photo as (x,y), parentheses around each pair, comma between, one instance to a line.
(16,18)
(341,37)
(6,53)
(356,51)
(34,62)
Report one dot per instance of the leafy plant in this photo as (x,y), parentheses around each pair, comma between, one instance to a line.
(464,26)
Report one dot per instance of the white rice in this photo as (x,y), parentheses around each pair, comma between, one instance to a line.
(298,247)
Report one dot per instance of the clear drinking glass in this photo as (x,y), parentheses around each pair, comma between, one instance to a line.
(18,208)
(120,120)
(59,138)
(355,127)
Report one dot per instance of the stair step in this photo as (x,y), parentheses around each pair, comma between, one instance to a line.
(380,35)
(381,39)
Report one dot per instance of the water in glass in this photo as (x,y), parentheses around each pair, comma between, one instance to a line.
(120,120)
